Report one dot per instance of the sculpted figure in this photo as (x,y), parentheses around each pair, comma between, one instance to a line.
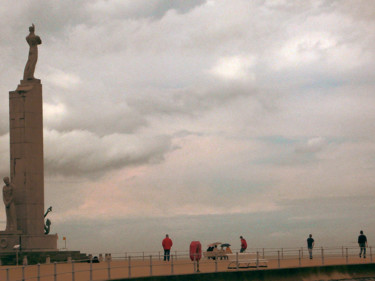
(33,41)
(10,208)
(47,225)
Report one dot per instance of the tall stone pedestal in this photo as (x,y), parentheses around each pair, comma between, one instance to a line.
(8,239)
(27,169)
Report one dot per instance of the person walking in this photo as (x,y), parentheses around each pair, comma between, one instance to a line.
(243,244)
(310,245)
(167,245)
(362,242)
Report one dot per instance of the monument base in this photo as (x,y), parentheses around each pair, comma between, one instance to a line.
(42,257)
(9,239)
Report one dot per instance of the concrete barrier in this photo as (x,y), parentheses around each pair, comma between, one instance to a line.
(333,272)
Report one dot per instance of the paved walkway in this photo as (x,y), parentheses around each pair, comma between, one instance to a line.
(120,268)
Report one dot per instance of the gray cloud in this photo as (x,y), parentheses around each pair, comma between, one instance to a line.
(81,153)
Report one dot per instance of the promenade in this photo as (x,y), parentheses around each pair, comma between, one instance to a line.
(143,265)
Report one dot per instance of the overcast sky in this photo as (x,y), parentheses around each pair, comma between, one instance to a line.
(204,119)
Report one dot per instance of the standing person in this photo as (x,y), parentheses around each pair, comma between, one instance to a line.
(243,244)
(362,242)
(310,245)
(167,245)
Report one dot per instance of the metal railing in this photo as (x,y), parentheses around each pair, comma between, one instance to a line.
(137,264)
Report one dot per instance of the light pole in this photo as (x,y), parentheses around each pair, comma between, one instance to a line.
(16,247)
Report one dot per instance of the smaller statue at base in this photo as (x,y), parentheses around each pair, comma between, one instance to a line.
(10,208)
(47,225)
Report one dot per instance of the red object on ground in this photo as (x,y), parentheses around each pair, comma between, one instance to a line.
(195,250)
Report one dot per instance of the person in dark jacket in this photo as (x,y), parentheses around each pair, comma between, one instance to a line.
(167,245)
(310,245)
(362,242)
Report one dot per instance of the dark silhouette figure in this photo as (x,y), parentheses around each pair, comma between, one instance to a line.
(362,242)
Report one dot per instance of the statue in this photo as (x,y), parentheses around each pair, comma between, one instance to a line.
(10,208)
(47,225)
(33,41)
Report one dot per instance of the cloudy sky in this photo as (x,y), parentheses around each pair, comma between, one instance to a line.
(204,119)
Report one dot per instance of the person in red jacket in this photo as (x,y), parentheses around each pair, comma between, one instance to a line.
(167,245)
(243,244)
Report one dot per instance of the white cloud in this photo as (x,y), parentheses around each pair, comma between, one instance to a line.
(312,145)
(53,111)
(304,49)
(234,68)
(62,79)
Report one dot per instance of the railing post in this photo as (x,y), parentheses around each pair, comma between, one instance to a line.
(302,252)
(278,258)
(90,268)
(342,251)
(7,274)
(73,272)
(347,257)
(150,265)
(370,254)
(109,268)
(237,261)
(38,273)
(215,262)
(299,257)
(322,256)
(55,271)
(172,271)
(23,273)
(129,267)
(257,259)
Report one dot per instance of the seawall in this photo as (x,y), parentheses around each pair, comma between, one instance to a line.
(331,272)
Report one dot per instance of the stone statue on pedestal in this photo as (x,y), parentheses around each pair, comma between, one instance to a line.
(23,195)
(10,208)
(33,41)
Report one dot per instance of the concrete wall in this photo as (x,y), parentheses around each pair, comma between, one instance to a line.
(286,274)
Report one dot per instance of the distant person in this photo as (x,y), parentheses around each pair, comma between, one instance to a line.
(362,242)
(310,245)
(167,245)
(243,244)
(228,250)
(215,249)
